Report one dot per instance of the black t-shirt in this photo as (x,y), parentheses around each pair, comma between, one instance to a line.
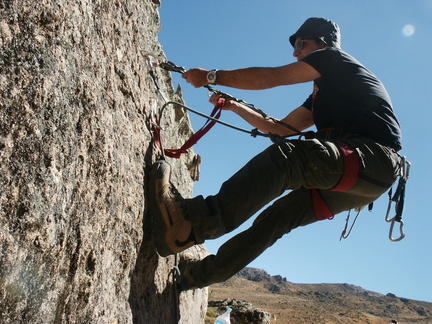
(350,98)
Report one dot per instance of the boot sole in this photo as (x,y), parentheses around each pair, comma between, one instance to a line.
(159,221)
(162,222)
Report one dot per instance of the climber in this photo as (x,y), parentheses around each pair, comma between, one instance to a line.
(349,162)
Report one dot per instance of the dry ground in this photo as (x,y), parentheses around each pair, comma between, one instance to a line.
(321,303)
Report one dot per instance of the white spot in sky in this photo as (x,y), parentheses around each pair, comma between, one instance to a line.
(408,30)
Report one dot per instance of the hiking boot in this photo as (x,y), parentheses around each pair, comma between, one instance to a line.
(173,232)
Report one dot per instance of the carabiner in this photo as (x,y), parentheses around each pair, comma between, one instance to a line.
(387,219)
(154,118)
(401,230)
(151,58)
(170,66)
(393,220)
(398,199)
(405,168)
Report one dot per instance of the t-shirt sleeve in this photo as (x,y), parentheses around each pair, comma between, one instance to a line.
(308,103)
(323,60)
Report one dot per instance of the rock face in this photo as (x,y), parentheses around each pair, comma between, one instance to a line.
(75,146)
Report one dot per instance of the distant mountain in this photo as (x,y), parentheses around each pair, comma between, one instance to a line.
(291,303)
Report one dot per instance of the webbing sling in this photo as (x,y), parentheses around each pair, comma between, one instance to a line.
(176,153)
(349,178)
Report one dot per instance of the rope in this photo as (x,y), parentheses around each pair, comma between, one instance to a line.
(211,120)
(176,279)
(253,133)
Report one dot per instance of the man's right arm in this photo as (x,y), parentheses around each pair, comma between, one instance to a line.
(256,78)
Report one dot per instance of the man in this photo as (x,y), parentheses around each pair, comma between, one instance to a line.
(350,162)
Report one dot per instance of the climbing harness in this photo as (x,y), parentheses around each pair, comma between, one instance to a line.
(349,178)
(398,199)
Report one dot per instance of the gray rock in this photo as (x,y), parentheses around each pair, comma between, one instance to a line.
(75,145)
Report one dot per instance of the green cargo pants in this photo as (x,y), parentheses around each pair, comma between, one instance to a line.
(296,165)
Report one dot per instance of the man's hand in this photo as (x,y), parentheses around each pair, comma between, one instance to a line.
(197,77)
(229,104)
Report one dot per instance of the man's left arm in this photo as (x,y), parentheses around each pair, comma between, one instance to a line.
(300,118)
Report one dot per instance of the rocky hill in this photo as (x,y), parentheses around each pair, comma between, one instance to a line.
(290,303)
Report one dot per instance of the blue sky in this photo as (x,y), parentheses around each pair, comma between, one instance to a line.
(393,39)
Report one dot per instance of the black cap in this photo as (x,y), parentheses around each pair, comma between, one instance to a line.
(322,28)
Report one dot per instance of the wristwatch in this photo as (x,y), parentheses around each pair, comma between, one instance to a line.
(212,76)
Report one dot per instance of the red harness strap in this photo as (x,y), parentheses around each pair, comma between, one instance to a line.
(321,209)
(176,153)
(349,178)
(351,167)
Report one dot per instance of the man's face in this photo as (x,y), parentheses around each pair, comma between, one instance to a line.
(303,47)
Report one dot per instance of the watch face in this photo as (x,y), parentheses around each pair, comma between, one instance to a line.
(211,76)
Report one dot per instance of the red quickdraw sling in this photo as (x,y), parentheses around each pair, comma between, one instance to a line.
(349,178)
(176,153)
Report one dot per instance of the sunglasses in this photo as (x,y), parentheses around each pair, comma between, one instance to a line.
(298,45)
